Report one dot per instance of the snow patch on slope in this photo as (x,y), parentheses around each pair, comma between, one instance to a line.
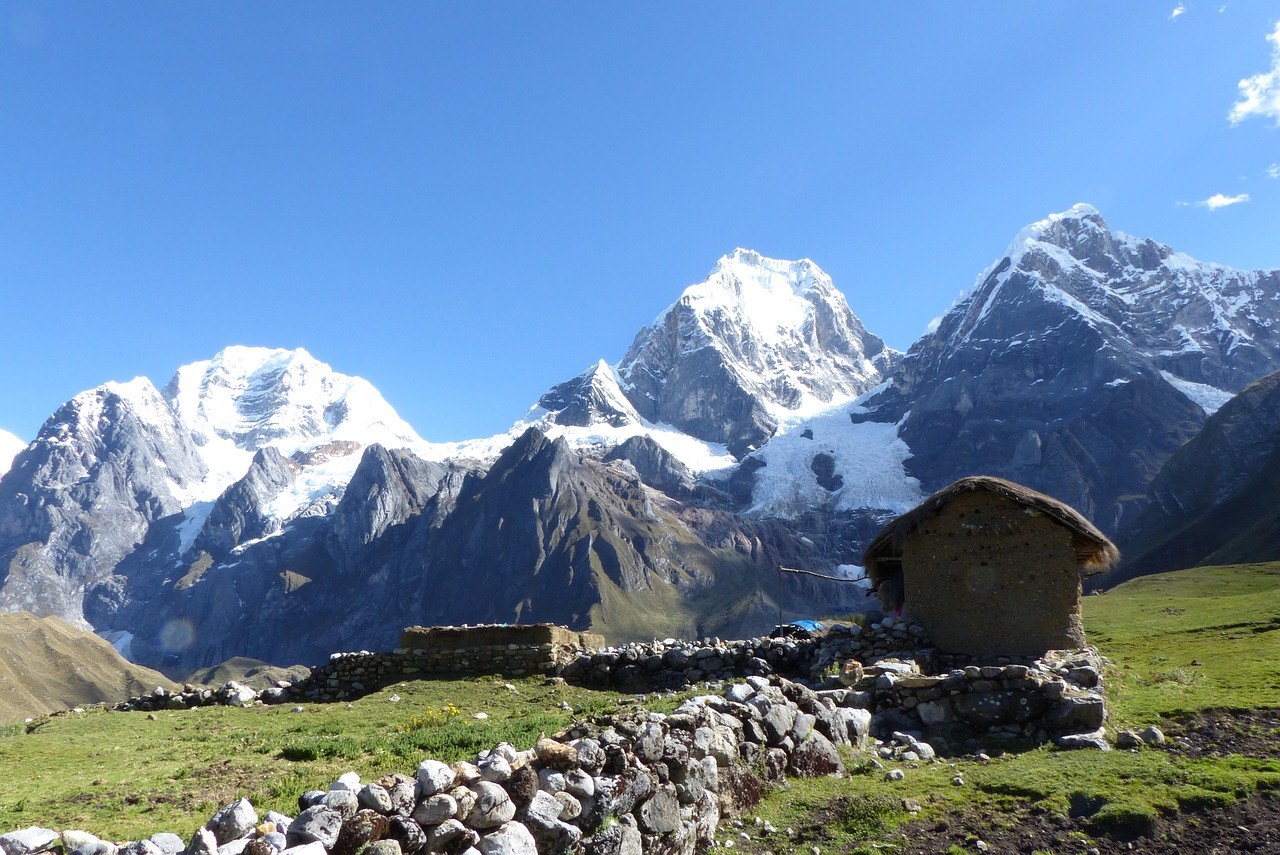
(870,457)
(1206,397)
(698,455)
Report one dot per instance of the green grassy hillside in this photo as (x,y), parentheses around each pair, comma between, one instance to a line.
(1195,639)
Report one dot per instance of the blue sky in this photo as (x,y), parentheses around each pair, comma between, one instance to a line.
(466,203)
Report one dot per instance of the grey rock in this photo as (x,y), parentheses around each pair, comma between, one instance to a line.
(550,780)
(168,843)
(374,796)
(1128,739)
(816,756)
(279,820)
(660,813)
(511,838)
(435,777)
(590,755)
(1096,740)
(570,806)
(435,809)
(408,834)
(142,847)
(579,783)
(542,818)
(492,808)
(348,781)
(28,840)
(495,768)
(319,824)
(344,802)
(233,821)
(203,842)
(77,842)
(1077,713)
(466,798)
(403,792)
(449,836)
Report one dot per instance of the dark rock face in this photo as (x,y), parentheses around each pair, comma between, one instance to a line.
(655,465)
(1050,372)
(592,397)
(546,534)
(240,514)
(1214,501)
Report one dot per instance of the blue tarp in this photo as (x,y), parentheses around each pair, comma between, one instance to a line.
(811,625)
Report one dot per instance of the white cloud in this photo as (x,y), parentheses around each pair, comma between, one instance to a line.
(1180,9)
(1217,200)
(1260,94)
(1273,171)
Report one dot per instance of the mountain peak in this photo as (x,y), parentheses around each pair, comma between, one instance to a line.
(594,397)
(1066,230)
(254,396)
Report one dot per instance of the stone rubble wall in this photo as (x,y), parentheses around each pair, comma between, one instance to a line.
(633,783)
(906,685)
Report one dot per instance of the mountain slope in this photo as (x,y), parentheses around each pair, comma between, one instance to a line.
(50,665)
(1081,361)
(546,533)
(104,467)
(1214,501)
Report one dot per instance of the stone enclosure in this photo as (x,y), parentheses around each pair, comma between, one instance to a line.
(638,782)
(906,685)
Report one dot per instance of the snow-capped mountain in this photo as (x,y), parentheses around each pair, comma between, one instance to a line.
(116,459)
(10,445)
(757,344)
(1081,360)
(754,422)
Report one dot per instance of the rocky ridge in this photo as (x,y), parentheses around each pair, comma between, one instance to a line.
(654,496)
(1080,362)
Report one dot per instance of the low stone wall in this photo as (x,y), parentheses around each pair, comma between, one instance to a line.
(905,685)
(511,650)
(634,782)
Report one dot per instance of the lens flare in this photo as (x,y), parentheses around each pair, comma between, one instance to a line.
(177,635)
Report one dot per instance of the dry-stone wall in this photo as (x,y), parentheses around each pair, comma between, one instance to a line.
(905,684)
(632,783)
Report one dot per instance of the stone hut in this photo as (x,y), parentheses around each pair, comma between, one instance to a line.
(989,567)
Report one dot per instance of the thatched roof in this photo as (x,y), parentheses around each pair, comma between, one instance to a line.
(1094,552)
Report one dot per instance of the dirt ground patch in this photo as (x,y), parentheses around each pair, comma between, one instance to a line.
(1252,825)
(1217,733)
(1247,826)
